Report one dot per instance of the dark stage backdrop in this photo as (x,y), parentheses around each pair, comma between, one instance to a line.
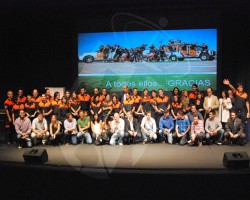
(38,42)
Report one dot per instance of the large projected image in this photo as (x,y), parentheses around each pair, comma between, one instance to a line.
(148,59)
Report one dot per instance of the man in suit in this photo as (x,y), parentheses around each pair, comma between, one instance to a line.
(211,102)
(234,130)
(132,129)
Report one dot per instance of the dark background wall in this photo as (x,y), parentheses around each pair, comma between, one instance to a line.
(38,39)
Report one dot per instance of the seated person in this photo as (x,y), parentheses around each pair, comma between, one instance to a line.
(70,129)
(197,132)
(234,130)
(39,129)
(166,126)
(23,129)
(96,128)
(182,129)
(148,128)
(132,128)
(55,131)
(117,130)
(83,126)
(213,128)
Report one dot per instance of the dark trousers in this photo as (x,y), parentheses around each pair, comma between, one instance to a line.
(183,140)
(57,140)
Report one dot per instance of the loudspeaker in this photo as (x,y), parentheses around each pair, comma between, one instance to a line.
(236,160)
(35,156)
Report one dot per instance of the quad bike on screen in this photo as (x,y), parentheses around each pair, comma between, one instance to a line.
(153,54)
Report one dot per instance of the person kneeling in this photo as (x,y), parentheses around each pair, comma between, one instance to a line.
(234,131)
(197,132)
(182,128)
(70,129)
(132,129)
(117,130)
(55,131)
(148,127)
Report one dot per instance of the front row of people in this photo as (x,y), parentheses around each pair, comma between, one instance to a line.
(129,130)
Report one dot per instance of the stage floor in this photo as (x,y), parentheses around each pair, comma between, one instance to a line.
(148,156)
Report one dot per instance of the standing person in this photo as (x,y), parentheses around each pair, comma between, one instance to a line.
(197,132)
(20,94)
(166,126)
(103,95)
(193,94)
(70,129)
(117,130)
(231,96)
(176,92)
(213,128)
(185,102)
(16,108)
(145,102)
(234,133)
(55,104)
(116,105)
(148,128)
(225,105)
(63,109)
(182,129)
(153,103)
(106,107)
(176,105)
(45,108)
(199,103)
(67,95)
(241,104)
(193,111)
(56,134)
(8,106)
(138,104)
(122,96)
(96,128)
(83,127)
(132,128)
(211,102)
(23,130)
(48,95)
(36,98)
(162,103)
(84,99)
(75,105)
(95,107)
(30,108)
(39,129)
(128,105)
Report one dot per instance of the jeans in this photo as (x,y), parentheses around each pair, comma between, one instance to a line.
(87,137)
(116,136)
(183,140)
(169,136)
(27,139)
(146,136)
(218,136)
(69,137)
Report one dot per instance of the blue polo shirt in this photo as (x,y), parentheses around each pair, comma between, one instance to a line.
(166,123)
(182,125)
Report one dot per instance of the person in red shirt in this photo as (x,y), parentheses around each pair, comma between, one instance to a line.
(8,105)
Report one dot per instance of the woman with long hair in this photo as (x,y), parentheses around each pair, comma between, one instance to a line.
(55,131)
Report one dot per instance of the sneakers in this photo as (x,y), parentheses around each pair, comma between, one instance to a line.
(44,142)
(121,144)
(218,143)
(19,147)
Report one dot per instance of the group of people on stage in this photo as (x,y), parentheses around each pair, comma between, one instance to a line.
(183,117)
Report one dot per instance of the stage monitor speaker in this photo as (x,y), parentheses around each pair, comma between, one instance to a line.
(35,156)
(236,160)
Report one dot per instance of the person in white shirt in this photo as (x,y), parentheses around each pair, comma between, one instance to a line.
(224,108)
(148,128)
(39,129)
(117,130)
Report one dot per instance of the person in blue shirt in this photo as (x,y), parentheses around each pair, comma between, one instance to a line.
(182,128)
(166,126)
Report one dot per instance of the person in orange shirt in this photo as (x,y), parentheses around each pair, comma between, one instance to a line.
(116,105)
(48,95)
(63,109)
(8,105)
(138,104)
(240,103)
(103,95)
(128,105)
(193,94)
(30,108)
(145,102)
(175,107)
(45,108)
(84,99)
(95,107)
(36,98)
(96,91)
(55,104)
(16,108)
(74,105)
(106,107)
(21,96)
